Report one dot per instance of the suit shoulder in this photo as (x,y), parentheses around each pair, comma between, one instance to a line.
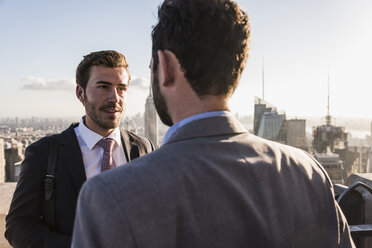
(135,136)
(140,139)
(294,155)
(273,145)
(45,141)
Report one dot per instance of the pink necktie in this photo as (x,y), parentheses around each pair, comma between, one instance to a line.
(107,160)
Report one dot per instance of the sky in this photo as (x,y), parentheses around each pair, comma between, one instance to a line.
(299,42)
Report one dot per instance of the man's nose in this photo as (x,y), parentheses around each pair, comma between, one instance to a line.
(114,96)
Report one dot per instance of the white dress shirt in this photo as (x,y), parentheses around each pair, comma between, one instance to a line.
(92,153)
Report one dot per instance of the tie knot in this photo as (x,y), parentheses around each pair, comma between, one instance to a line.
(106,144)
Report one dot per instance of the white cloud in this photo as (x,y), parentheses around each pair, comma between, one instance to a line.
(36,83)
(141,84)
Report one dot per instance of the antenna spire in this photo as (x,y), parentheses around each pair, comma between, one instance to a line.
(150,90)
(263,78)
(328,117)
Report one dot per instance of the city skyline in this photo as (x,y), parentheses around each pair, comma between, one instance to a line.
(300,42)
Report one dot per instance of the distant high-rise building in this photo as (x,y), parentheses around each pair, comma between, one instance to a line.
(2,162)
(362,155)
(329,136)
(260,107)
(17,170)
(268,123)
(333,165)
(273,127)
(151,120)
(296,133)
(330,139)
(13,155)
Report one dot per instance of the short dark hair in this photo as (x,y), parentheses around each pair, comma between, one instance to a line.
(107,58)
(210,38)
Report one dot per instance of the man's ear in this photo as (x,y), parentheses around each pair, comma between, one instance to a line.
(80,94)
(168,67)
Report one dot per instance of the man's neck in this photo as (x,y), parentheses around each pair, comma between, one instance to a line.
(95,128)
(206,104)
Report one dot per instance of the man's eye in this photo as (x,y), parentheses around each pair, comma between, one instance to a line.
(102,87)
(122,89)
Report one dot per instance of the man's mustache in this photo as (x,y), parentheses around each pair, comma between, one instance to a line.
(111,105)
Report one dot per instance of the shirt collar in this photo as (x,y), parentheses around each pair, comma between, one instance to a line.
(91,138)
(189,119)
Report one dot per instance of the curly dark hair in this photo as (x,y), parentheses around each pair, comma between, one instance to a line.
(107,58)
(210,38)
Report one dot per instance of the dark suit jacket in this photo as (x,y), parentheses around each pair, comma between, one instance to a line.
(24,222)
(212,185)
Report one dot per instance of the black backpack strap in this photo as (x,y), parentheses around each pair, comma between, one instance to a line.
(49,182)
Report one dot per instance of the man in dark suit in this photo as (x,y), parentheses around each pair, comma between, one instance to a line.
(102,81)
(211,184)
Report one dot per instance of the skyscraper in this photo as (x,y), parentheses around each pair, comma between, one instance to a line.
(296,135)
(2,162)
(332,164)
(330,148)
(151,120)
(268,122)
(13,154)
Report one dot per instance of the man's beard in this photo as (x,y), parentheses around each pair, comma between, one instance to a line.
(159,101)
(93,113)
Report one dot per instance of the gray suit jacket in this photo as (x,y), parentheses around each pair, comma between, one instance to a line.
(213,185)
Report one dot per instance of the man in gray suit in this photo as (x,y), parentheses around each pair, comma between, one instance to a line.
(211,184)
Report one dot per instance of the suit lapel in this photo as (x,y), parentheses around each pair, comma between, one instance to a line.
(71,157)
(131,147)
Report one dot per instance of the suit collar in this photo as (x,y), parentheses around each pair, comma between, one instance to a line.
(192,118)
(206,127)
(91,138)
(128,144)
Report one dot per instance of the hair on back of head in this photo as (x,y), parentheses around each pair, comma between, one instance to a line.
(210,38)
